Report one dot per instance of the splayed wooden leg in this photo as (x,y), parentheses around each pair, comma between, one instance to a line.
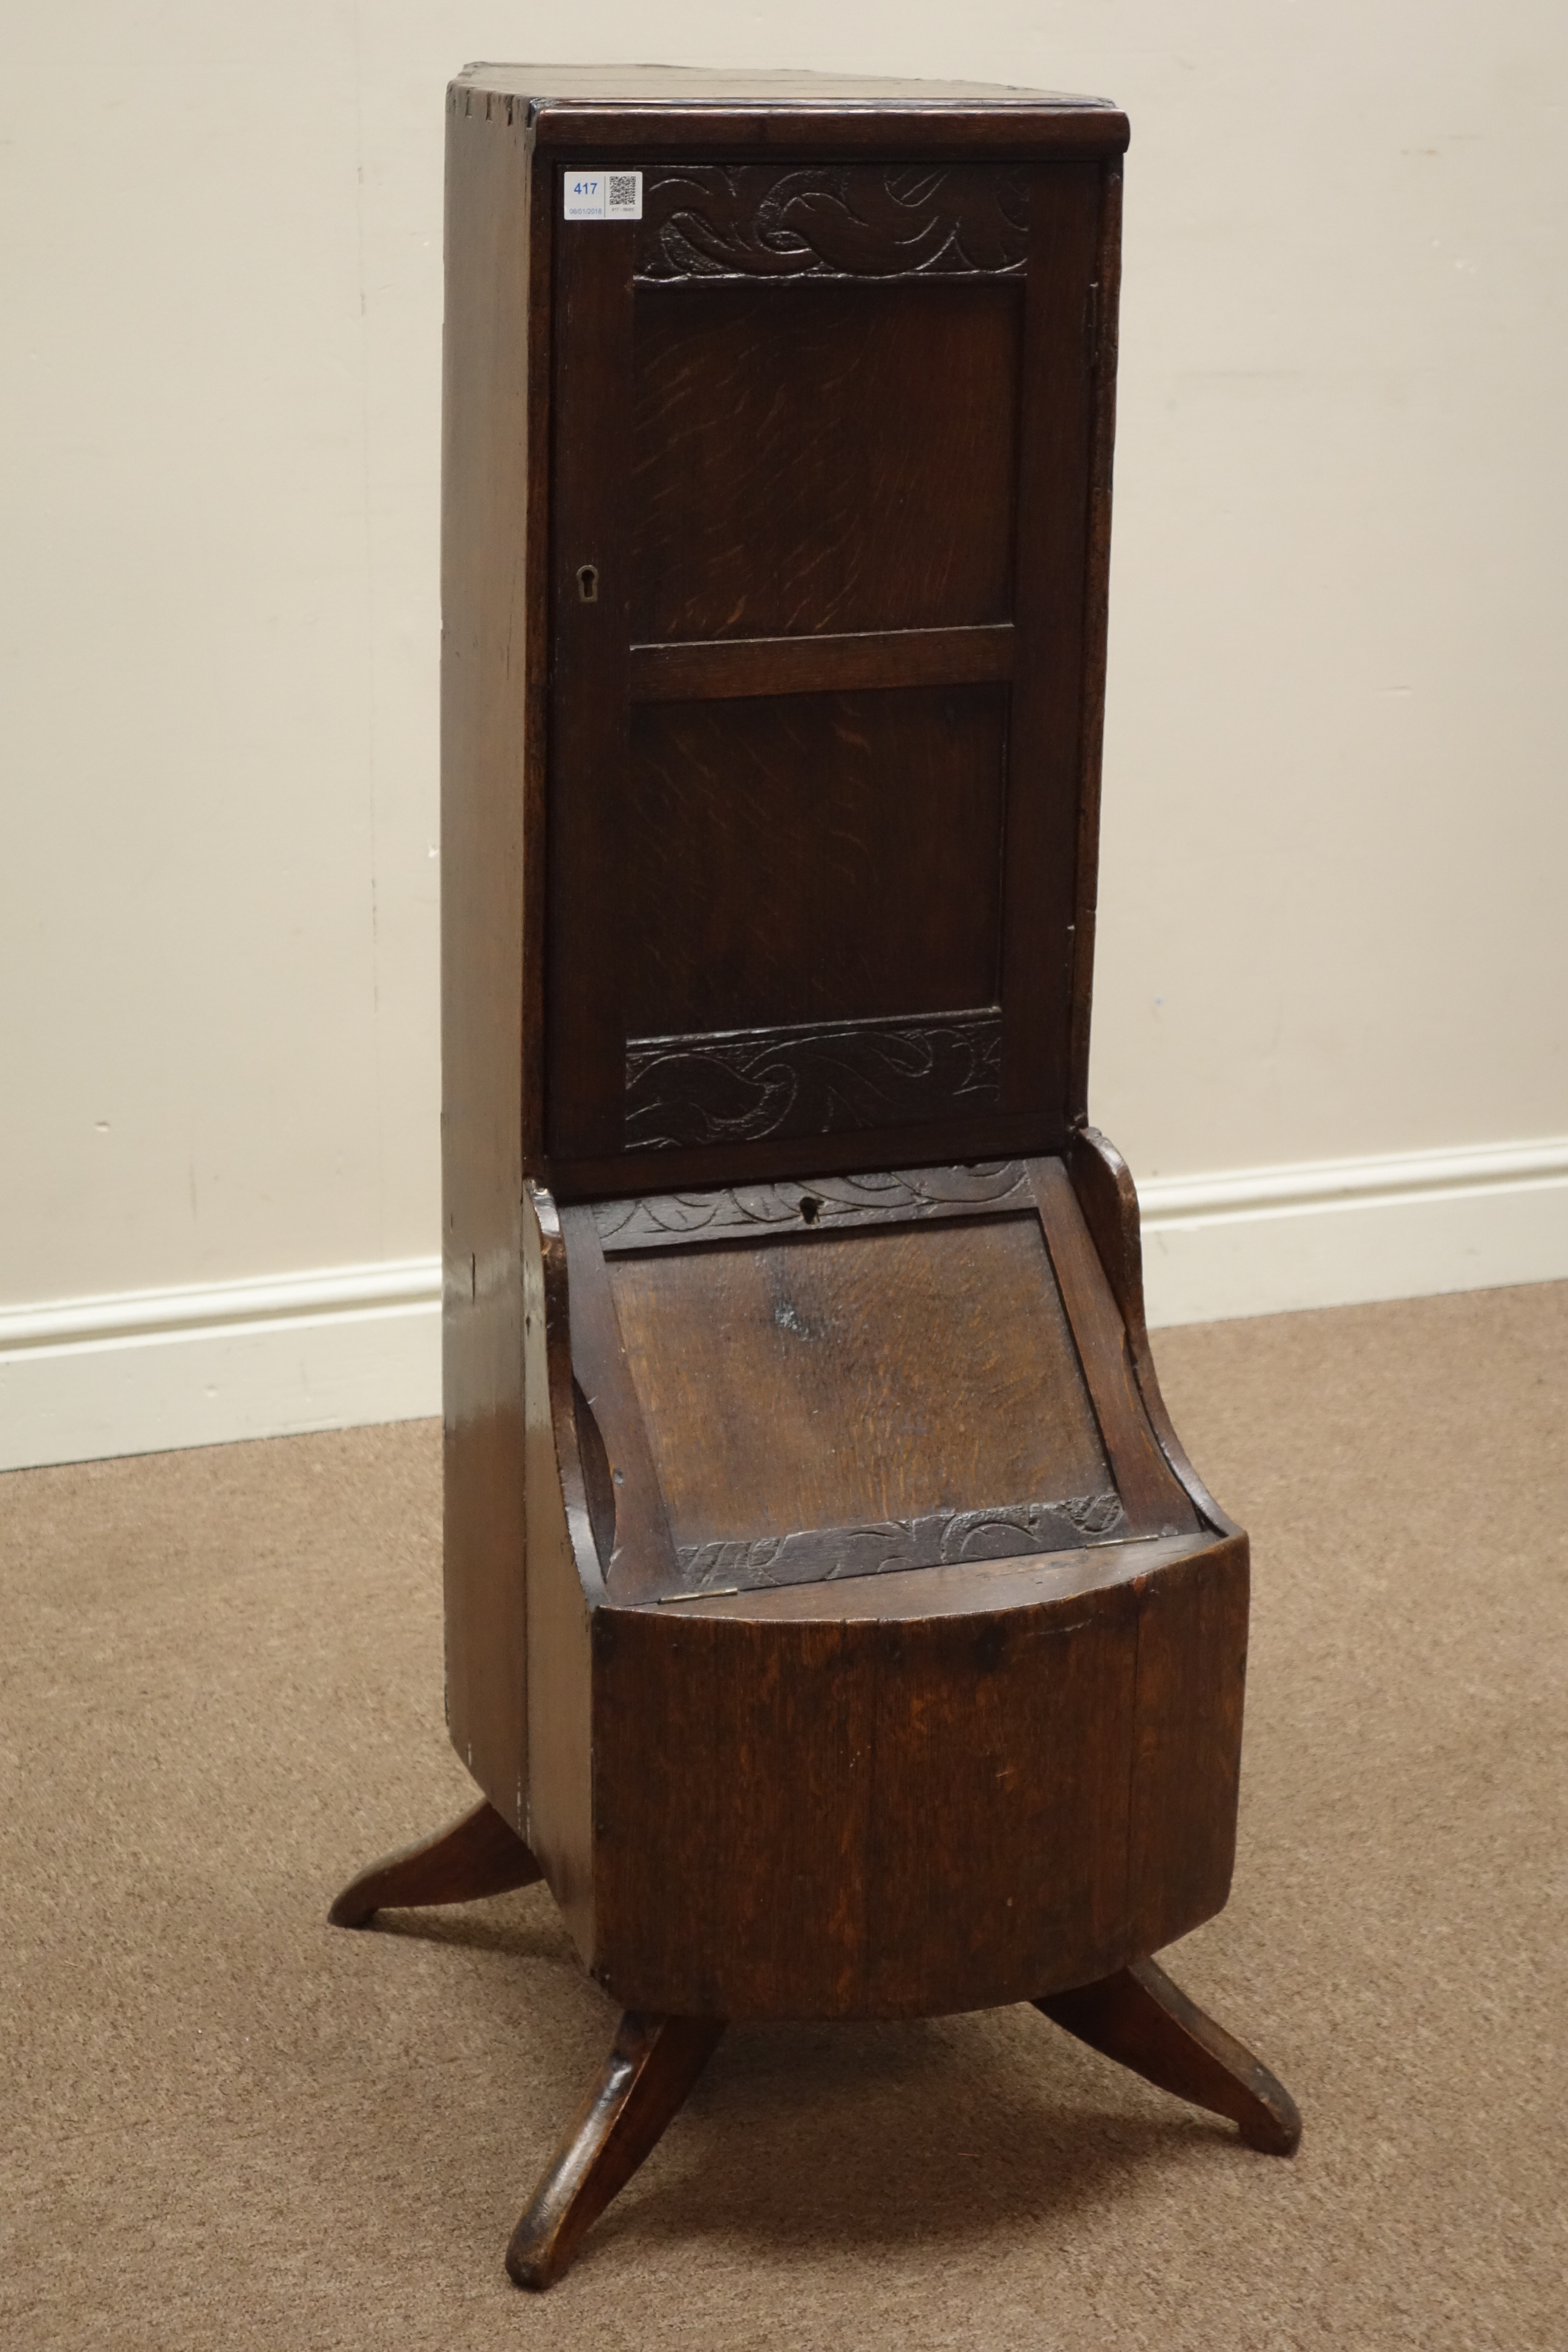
(653,2065)
(1145,2023)
(480,1855)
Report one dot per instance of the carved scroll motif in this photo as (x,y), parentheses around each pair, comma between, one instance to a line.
(818,1202)
(741,1085)
(936,1539)
(713,221)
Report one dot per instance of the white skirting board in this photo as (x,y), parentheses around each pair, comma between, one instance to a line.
(145,1371)
(1341,1233)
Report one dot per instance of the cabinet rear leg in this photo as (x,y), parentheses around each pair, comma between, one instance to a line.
(1145,2023)
(480,1855)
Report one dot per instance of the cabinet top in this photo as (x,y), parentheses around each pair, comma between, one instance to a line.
(694,106)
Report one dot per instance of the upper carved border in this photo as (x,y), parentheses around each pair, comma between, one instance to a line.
(707,221)
(910,1196)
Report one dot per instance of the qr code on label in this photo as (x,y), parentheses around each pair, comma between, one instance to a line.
(602,195)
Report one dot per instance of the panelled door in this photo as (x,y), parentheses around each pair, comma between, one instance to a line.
(820,446)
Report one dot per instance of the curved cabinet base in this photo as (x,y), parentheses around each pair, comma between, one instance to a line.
(906,1795)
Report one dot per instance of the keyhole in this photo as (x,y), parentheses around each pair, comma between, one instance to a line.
(588,583)
(810,1208)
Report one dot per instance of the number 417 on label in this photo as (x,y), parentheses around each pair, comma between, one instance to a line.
(603,196)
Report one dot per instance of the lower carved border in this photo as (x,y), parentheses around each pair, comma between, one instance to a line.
(741,1085)
(935,1539)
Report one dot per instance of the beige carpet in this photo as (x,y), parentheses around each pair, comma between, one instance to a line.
(223,2124)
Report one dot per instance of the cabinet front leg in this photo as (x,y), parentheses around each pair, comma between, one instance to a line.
(653,2065)
(1147,2024)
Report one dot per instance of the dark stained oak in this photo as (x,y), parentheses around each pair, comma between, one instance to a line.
(986,1136)
(820,721)
(713,669)
(833,1616)
(758,898)
(748,520)
(478,1854)
(1104,299)
(707,221)
(808,1346)
(564,1581)
(816,1204)
(651,2067)
(611,109)
(1147,2024)
(642,1548)
(492,705)
(1109,1200)
(591,335)
(1051,713)
(827,1078)
(943,1766)
(1143,1473)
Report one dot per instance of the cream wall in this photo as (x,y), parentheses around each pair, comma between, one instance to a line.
(1335,832)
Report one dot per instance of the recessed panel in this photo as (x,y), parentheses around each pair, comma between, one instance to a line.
(813,457)
(838,1404)
(809,857)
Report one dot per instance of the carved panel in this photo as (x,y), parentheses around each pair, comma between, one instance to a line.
(936,1539)
(742,1085)
(912,1195)
(710,221)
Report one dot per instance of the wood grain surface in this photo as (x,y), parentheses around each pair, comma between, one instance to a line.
(819,733)
(553,1773)
(835,1203)
(652,2065)
(588,669)
(857,1377)
(491,811)
(832,1611)
(949,1800)
(716,668)
(737,1086)
(1106,1194)
(710,221)
(1144,2020)
(751,520)
(479,1853)
(619,111)
(1049,712)
(812,857)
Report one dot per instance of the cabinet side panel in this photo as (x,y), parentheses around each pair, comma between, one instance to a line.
(488,743)
(560,1775)
(1097,595)
(1048,714)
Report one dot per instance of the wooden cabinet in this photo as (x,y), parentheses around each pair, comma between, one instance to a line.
(833,1617)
